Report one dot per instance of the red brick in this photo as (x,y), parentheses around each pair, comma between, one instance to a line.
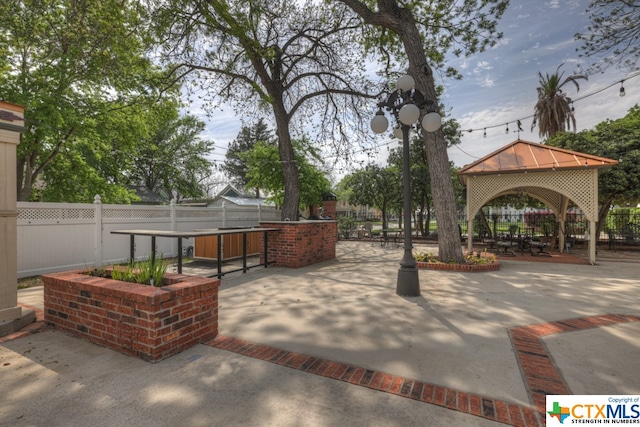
(515,413)
(451,399)
(439,396)
(428,393)
(502,412)
(385,383)
(475,405)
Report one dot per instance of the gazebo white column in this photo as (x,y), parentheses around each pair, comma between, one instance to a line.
(11,126)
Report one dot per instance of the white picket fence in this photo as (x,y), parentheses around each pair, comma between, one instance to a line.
(61,236)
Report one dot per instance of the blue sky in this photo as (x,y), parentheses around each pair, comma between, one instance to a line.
(499,86)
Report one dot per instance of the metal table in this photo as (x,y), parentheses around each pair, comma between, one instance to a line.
(197,233)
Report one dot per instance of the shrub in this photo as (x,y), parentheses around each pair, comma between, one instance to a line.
(147,272)
(480,258)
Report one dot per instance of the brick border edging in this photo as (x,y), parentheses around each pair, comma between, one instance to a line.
(464,268)
(469,403)
(540,373)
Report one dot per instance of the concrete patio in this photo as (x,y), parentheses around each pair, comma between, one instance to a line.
(314,346)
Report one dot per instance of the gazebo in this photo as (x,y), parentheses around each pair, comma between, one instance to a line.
(552,175)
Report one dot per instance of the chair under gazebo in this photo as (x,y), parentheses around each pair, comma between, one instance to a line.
(554,176)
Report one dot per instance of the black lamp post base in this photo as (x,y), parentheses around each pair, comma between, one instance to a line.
(408,282)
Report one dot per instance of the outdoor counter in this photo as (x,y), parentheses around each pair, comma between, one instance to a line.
(197,233)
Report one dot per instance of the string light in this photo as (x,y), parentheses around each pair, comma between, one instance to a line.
(622,93)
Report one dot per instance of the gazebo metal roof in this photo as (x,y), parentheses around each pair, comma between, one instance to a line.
(520,156)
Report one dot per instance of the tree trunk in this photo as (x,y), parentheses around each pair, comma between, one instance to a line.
(485,223)
(602,216)
(24,180)
(449,246)
(291,203)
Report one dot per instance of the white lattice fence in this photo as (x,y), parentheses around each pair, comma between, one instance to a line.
(60,236)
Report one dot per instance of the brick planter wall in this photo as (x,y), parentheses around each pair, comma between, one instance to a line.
(138,320)
(300,243)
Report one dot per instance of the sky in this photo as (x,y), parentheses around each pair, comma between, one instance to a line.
(499,85)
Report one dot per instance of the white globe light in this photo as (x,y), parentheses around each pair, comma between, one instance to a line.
(405,83)
(397,132)
(409,114)
(379,123)
(431,122)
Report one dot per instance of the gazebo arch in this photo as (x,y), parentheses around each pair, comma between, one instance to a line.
(554,176)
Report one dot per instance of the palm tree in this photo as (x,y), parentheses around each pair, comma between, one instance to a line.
(553,110)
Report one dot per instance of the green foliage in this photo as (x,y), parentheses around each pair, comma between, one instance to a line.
(613,139)
(173,159)
(479,258)
(234,165)
(377,187)
(426,257)
(78,68)
(265,171)
(553,108)
(145,272)
(346,226)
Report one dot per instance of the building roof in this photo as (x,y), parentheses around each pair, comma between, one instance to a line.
(246,201)
(521,156)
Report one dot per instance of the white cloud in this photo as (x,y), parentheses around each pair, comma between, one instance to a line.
(553,4)
(483,65)
(487,82)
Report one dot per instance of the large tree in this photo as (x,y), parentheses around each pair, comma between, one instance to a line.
(234,164)
(293,58)
(552,112)
(613,36)
(71,63)
(265,170)
(614,139)
(423,32)
(376,187)
(173,159)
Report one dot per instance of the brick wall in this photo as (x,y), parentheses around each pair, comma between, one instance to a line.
(143,321)
(329,209)
(300,243)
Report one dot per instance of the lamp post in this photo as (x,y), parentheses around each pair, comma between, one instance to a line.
(405,104)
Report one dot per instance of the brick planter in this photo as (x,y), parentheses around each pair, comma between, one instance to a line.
(138,320)
(471,268)
(300,243)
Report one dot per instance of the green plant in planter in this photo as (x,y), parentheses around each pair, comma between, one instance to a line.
(150,272)
(480,258)
(147,272)
(426,257)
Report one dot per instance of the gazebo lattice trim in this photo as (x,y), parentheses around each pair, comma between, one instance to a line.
(580,186)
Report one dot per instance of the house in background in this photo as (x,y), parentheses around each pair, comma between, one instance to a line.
(148,197)
(232,196)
